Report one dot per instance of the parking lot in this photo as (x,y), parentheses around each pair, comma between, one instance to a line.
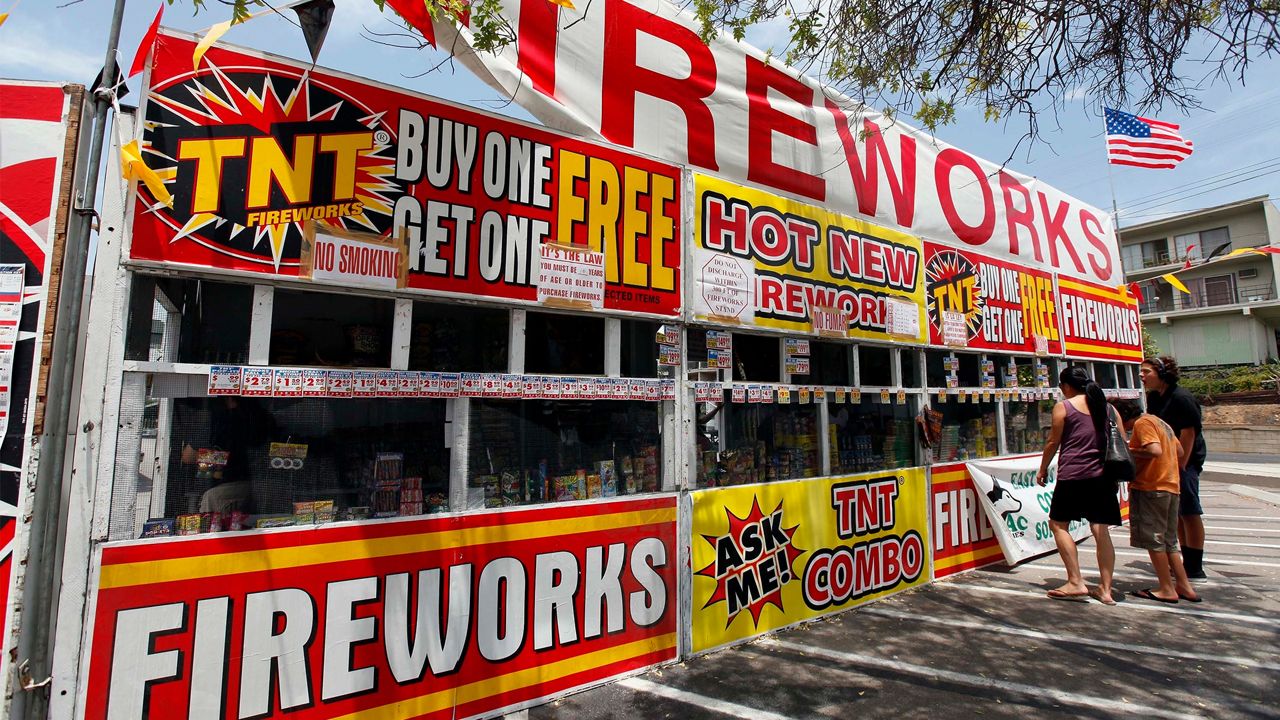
(989,643)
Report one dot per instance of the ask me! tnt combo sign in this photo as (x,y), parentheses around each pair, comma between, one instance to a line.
(772,555)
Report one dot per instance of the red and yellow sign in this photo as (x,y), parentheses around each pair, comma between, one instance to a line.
(962,535)
(1099,322)
(1004,306)
(453,616)
(793,261)
(252,147)
(768,556)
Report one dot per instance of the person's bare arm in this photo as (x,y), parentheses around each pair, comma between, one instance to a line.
(1055,440)
(1150,450)
(1186,440)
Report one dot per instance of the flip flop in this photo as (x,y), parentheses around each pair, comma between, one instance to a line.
(1060,595)
(1104,599)
(1190,599)
(1148,595)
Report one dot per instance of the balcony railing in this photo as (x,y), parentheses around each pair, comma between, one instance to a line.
(1212,297)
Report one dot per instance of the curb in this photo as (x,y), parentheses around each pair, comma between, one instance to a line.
(1255,493)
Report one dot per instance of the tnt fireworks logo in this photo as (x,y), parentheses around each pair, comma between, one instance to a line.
(251,154)
(953,283)
(753,562)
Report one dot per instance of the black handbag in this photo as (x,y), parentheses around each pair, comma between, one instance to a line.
(1117,463)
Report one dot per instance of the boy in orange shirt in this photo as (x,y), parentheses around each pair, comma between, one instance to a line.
(1153,501)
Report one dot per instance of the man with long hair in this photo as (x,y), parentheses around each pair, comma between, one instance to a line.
(1178,407)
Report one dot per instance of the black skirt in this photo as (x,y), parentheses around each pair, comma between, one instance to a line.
(1093,499)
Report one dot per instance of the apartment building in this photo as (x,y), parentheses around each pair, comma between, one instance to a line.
(1232,314)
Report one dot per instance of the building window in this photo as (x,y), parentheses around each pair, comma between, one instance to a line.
(1203,244)
(1137,256)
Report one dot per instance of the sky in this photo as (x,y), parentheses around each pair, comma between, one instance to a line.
(1236,134)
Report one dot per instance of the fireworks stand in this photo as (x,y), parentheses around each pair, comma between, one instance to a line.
(398,406)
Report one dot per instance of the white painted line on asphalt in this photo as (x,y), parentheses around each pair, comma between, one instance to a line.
(1211,560)
(702,701)
(1270,622)
(1259,518)
(1003,628)
(1274,531)
(1035,692)
(1240,544)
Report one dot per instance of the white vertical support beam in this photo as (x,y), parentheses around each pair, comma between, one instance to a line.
(401,330)
(855,366)
(782,361)
(260,325)
(612,347)
(88,491)
(686,410)
(123,523)
(1001,441)
(515,341)
(824,438)
(895,367)
(459,452)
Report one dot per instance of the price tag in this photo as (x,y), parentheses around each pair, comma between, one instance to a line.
(224,380)
(668,355)
(450,385)
(884,396)
(532,387)
(719,340)
(819,394)
(432,385)
(471,384)
(842,395)
(902,397)
(315,383)
(287,383)
(512,386)
(364,383)
(796,347)
(738,394)
(491,385)
(388,383)
(805,396)
(942,398)
(256,382)
(768,394)
(339,383)
(653,390)
(855,396)
(668,389)
(784,395)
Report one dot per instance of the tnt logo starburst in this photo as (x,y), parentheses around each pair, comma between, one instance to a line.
(753,562)
(952,283)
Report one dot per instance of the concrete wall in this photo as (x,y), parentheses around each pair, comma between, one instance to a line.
(1242,439)
(1228,339)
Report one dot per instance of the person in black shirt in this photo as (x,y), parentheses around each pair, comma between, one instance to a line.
(1179,408)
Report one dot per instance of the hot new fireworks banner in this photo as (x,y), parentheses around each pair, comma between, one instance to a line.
(253,147)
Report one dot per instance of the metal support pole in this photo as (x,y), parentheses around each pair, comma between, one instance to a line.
(39,596)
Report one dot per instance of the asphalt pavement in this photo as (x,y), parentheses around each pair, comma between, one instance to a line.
(989,644)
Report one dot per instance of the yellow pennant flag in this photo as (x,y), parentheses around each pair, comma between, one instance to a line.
(133,168)
(3,17)
(563,3)
(1174,281)
(207,41)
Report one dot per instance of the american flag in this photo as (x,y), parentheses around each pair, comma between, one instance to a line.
(1143,142)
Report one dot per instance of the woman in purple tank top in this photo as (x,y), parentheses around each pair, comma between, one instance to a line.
(1078,437)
